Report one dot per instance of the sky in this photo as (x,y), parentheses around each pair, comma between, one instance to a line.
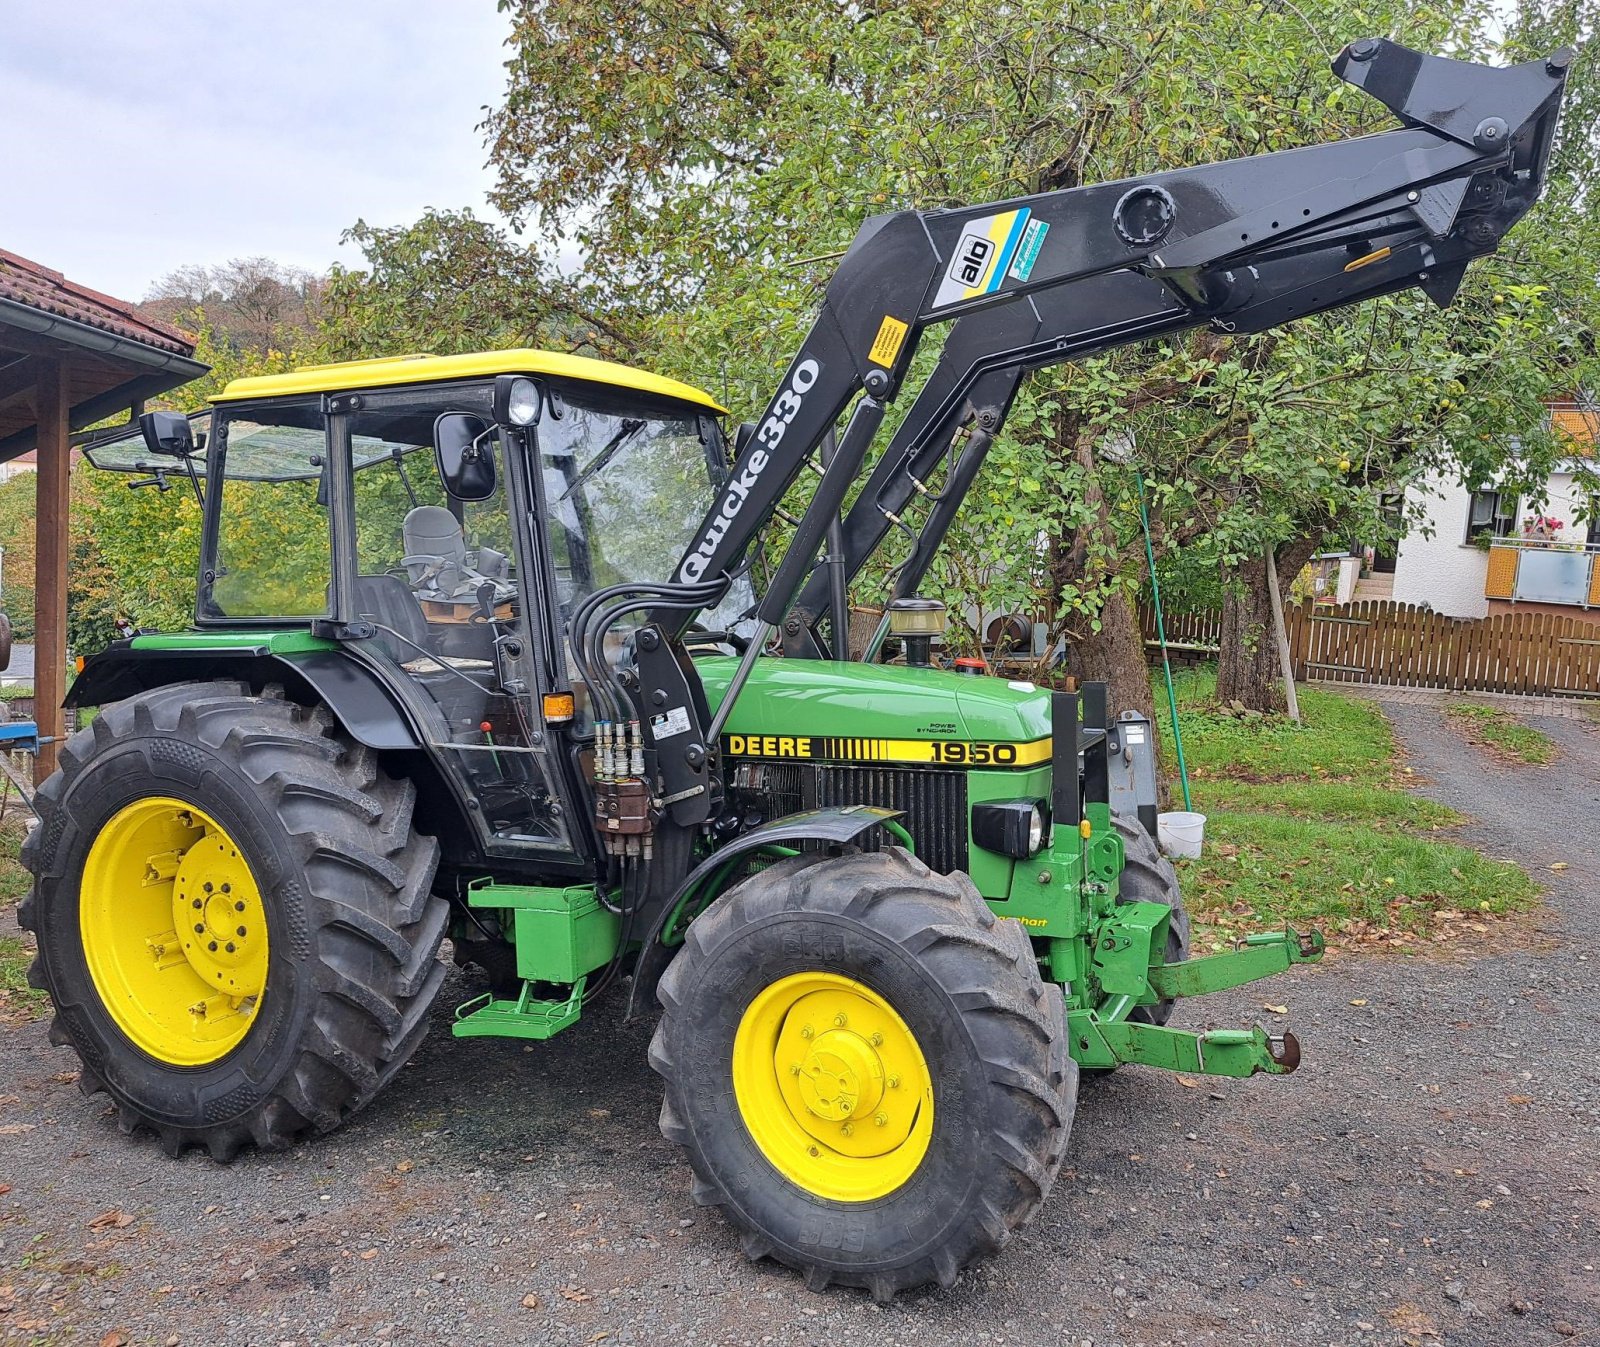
(138,136)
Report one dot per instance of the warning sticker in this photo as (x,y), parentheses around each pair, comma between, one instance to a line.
(886,345)
(669,724)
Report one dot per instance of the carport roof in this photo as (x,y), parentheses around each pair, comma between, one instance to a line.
(112,356)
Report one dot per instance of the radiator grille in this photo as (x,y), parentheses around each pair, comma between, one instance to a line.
(934,802)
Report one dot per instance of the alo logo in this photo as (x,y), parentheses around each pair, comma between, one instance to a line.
(972,260)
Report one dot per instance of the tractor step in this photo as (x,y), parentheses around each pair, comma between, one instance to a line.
(527,1016)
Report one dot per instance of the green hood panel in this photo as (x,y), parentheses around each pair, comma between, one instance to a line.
(819,697)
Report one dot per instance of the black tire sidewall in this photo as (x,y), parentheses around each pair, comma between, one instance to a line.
(133,769)
(921,1215)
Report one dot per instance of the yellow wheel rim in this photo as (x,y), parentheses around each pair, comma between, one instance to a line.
(174,931)
(833,1087)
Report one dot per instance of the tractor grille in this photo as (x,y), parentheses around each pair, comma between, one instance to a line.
(934,802)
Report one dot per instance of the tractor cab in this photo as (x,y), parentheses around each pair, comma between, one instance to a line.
(441,518)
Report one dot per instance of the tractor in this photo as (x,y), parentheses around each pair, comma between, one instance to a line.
(480,653)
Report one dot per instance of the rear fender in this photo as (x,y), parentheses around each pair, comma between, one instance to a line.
(367,709)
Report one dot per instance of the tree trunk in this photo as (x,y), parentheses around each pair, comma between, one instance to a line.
(1248,670)
(1115,655)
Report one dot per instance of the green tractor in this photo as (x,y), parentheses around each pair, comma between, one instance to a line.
(479,653)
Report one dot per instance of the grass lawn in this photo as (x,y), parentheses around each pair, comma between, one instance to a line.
(1503,732)
(1308,824)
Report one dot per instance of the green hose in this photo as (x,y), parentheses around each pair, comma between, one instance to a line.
(1161,635)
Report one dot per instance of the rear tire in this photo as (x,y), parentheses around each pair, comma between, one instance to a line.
(921,958)
(338,999)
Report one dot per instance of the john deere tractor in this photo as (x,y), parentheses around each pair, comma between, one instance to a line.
(479,653)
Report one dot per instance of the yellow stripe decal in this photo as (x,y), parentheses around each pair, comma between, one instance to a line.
(940,752)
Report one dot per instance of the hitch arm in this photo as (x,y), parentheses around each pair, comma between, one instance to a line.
(1262,955)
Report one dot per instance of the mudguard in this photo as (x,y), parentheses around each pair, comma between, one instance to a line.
(355,694)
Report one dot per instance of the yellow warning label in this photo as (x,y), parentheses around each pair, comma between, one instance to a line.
(886,345)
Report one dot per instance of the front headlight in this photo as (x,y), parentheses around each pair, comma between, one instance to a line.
(523,405)
(1017,828)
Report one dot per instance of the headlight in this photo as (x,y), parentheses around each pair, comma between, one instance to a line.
(1011,827)
(523,405)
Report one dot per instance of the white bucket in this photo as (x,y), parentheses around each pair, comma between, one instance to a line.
(1181,833)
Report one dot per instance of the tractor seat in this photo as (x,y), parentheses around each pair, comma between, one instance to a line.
(388,600)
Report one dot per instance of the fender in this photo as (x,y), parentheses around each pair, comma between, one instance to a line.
(837,824)
(356,695)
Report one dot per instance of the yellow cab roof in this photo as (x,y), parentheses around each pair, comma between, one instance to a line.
(391,371)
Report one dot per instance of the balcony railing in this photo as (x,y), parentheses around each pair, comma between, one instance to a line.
(1531,570)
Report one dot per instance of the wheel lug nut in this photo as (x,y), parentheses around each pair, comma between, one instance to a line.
(877,1040)
(238,907)
(894,1082)
(241,930)
(793,1070)
(199,928)
(882,1120)
(230,947)
(208,886)
(847,1129)
(212,946)
(840,1020)
(227,888)
(197,904)
(806,1032)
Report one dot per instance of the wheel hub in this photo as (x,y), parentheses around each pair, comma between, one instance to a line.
(174,931)
(833,1087)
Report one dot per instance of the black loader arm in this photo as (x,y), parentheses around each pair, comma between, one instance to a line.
(1243,244)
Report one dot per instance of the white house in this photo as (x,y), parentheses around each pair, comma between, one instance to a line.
(1487,550)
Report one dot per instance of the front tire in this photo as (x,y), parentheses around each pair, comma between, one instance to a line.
(233,915)
(926,1109)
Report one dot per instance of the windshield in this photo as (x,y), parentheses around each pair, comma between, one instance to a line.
(626,487)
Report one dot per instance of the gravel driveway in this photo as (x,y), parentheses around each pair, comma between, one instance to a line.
(1432,1172)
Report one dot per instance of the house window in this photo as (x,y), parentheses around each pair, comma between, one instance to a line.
(1492,513)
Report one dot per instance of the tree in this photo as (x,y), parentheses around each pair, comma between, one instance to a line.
(253,303)
(708,161)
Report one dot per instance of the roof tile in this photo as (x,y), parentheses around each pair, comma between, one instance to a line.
(38,287)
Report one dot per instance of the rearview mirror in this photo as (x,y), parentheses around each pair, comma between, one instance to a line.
(466,462)
(167,433)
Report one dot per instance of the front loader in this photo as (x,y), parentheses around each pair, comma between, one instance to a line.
(477,654)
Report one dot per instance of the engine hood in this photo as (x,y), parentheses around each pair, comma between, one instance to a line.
(789,697)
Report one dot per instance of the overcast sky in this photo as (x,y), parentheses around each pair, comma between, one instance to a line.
(140,137)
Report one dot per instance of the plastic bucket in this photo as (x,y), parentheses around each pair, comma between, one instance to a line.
(1181,833)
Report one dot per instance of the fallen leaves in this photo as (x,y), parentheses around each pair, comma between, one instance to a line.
(1359,1001)
(115,1338)
(575,1294)
(404,1167)
(17,1129)
(1276,1010)
(1187,1083)
(1558,865)
(114,1219)
(1412,1321)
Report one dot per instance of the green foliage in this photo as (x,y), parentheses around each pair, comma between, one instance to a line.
(1503,732)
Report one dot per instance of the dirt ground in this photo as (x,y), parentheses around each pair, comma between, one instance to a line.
(1432,1173)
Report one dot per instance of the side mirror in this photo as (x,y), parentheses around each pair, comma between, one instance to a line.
(167,433)
(466,464)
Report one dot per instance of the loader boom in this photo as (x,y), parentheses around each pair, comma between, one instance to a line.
(1244,245)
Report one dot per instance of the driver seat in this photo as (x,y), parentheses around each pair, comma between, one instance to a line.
(436,556)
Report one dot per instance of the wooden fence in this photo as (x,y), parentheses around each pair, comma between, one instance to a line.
(1380,641)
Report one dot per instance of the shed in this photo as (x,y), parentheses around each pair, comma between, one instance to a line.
(69,357)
